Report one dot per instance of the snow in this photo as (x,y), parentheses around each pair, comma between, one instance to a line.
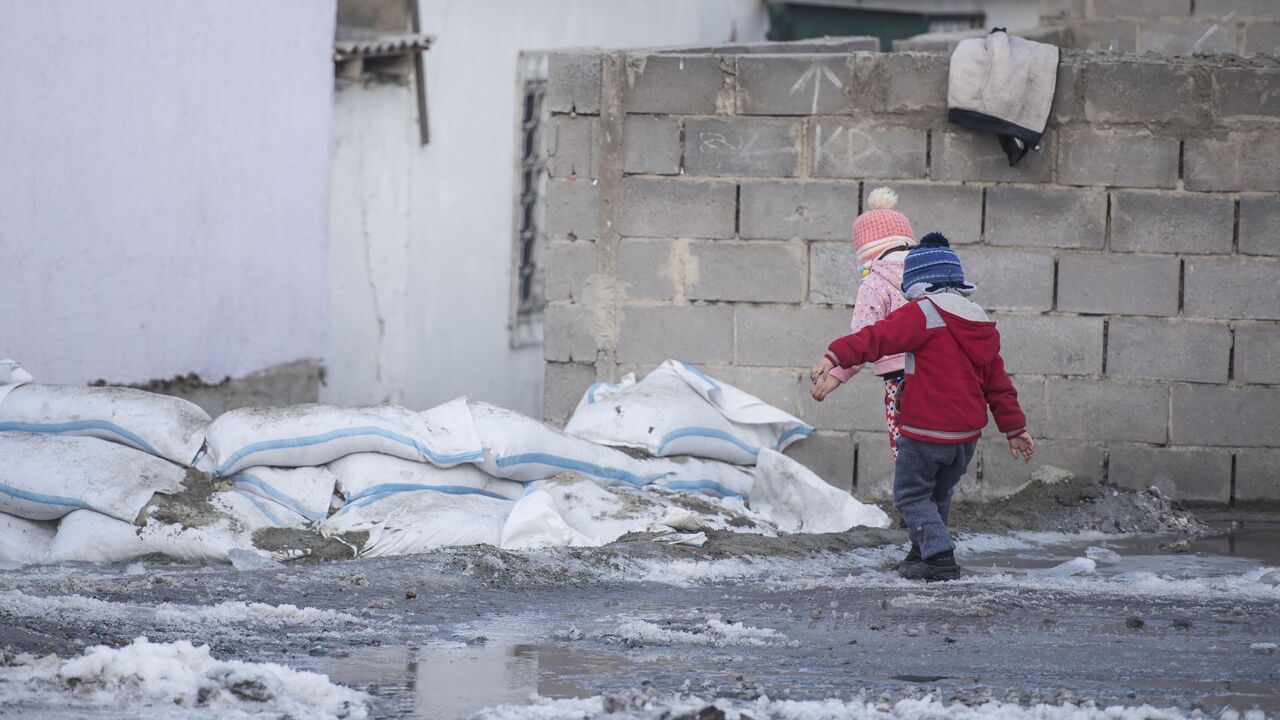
(1102,555)
(176,674)
(650,707)
(712,631)
(67,609)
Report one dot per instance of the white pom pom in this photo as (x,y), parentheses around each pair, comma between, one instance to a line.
(882,198)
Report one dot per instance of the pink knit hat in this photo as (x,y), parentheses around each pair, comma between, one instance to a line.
(880,228)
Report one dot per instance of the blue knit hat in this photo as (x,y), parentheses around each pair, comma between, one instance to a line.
(933,262)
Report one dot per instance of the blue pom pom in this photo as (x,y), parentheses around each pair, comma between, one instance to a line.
(935,239)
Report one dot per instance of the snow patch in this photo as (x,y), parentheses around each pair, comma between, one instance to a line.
(178,674)
(711,631)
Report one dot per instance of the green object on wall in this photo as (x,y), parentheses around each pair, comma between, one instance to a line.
(802,21)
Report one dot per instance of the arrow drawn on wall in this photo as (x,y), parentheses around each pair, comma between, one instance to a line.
(815,75)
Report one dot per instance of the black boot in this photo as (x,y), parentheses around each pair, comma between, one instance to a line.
(912,558)
(937,567)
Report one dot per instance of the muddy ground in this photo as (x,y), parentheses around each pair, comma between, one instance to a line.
(1180,619)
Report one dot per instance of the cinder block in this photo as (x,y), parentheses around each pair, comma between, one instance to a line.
(1031,400)
(1262,37)
(1107,411)
(696,334)
(1229,416)
(562,389)
(1046,217)
(1191,476)
(809,211)
(1002,475)
(674,84)
(1250,93)
(1187,37)
(1160,349)
(573,209)
(776,386)
(1068,95)
(571,146)
(1260,224)
(747,271)
(1125,158)
(1059,10)
(874,480)
(787,336)
(1240,161)
(1118,284)
(1010,279)
(833,273)
(651,144)
(1218,9)
(568,266)
(1171,222)
(856,405)
(1257,478)
(829,455)
(567,336)
(1257,354)
(961,154)
(1114,36)
(648,269)
(1140,8)
(900,82)
(793,85)
(1232,288)
(955,210)
(1141,91)
(573,83)
(843,148)
(653,207)
(1050,345)
(756,147)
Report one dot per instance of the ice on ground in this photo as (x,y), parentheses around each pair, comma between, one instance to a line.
(1102,555)
(177,674)
(711,630)
(1078,566)
(648,706)
(67,609)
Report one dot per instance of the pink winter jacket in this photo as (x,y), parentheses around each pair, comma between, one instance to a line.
(879,294)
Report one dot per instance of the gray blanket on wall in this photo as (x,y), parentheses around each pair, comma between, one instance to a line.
(1003,85)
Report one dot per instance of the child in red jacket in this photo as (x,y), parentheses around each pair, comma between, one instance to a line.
(954,373)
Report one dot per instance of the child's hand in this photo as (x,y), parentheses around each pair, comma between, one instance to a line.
(819,371)
(1022,443)
(824,387)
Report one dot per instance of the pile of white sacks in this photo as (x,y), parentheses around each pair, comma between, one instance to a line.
(108,474)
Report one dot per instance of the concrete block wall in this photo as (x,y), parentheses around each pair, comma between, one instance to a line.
(1167,27)
(701,210)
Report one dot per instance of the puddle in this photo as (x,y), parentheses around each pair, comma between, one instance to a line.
(1244,546)
(451,681)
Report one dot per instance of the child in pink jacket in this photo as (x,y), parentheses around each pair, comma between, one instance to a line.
(882,237)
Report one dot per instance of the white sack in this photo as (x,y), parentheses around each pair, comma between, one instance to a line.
(677,410)
(164,426)
(519,448)
(24,541)
(43,477)
(535,522)
(11,376)
(413,522)
(255,512)
(800,501)
(314,434)
(306,490)
(87,536)
(365,475)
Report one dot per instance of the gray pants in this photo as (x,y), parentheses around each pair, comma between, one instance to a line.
(924,478)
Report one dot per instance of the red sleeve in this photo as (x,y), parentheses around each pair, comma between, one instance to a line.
(902,331)
(1002,398)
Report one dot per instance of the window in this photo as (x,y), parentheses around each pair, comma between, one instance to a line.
(531,178)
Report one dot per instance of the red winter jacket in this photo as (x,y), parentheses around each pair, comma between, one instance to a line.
(953,367)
